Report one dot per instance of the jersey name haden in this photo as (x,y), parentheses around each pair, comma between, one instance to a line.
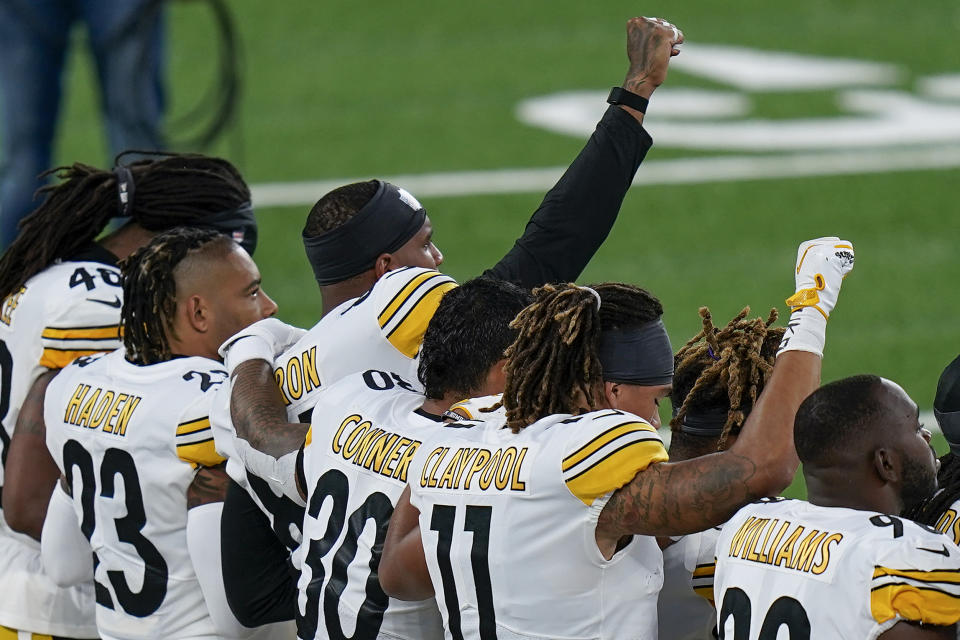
(298,375)
(99,408)
(781,543)
(360,442)
(476,469)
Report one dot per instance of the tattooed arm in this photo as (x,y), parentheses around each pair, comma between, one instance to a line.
(258,412)
(208,486)
(30,472)
(683,497)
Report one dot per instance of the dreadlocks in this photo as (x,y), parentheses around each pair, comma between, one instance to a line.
(553,365)
(948,478)
(150,290)
(172,190)
(724,369)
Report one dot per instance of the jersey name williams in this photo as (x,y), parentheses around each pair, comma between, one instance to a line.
(767,541)
(99,408)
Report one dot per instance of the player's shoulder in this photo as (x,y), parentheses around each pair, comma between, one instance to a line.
(480,408)
(608,425)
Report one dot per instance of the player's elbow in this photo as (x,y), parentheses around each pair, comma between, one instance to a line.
(398,583)
(22,517)
(773,478)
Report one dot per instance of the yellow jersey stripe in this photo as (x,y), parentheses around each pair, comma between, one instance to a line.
(203,453)
(603,439)
(615,470)
(919,604)
(193,426)
(6,633)
(59,358)
(704,592)
(402,296)
(307,439)
(83,333)
(942,576)
(407,335)
(705,570)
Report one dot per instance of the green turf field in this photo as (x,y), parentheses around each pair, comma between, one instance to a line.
(337,89)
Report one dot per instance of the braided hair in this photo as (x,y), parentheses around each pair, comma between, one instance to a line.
(725,369)
(553,366)
(171,190)
(150,290)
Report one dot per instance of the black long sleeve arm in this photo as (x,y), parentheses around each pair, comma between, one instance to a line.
(577,214)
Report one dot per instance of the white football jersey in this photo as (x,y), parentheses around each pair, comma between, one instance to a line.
(129,438)
(382,329)
(69,309)
(365,431)
(830,573)
(508,523)
(685,604)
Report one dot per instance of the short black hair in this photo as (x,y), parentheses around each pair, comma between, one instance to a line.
(338,206)
(835,417)
(468,334)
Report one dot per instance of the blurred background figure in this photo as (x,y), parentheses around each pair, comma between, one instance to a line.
(126,39)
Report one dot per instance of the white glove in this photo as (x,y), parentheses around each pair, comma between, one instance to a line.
(263,340)
(822,264)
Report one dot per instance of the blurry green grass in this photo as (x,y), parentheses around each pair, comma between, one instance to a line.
(364,89)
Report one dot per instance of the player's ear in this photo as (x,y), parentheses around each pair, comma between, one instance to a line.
(886,462)
(385,262)
(198,313)
(611,393)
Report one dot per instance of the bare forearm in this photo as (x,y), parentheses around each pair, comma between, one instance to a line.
(403,567)
(31,473)
(258,413)
(767,435)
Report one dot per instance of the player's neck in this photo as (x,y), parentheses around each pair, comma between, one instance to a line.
(126,240)
(846,488)
(333,295)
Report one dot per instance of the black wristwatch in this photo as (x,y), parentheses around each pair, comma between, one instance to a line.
(619,95)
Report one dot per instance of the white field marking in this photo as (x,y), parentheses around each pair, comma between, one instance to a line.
(652,172)
(760,70)
(926,419)
(702,119)
(945,86)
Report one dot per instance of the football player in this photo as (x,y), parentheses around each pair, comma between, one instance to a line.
(718,375)
(130,432)
(942,509)
(365,431)
(61,296)
(843,564)
(357,234)
(548,530)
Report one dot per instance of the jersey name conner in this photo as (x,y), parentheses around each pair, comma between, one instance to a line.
(359,442)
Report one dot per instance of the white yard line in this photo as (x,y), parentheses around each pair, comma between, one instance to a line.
(654,172)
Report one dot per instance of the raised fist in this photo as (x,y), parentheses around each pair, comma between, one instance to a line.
(822,264)
(650,44)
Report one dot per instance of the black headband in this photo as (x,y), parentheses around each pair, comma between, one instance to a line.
(125,189)
(239,224)
(705,422)
(640,355)
(383,225)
